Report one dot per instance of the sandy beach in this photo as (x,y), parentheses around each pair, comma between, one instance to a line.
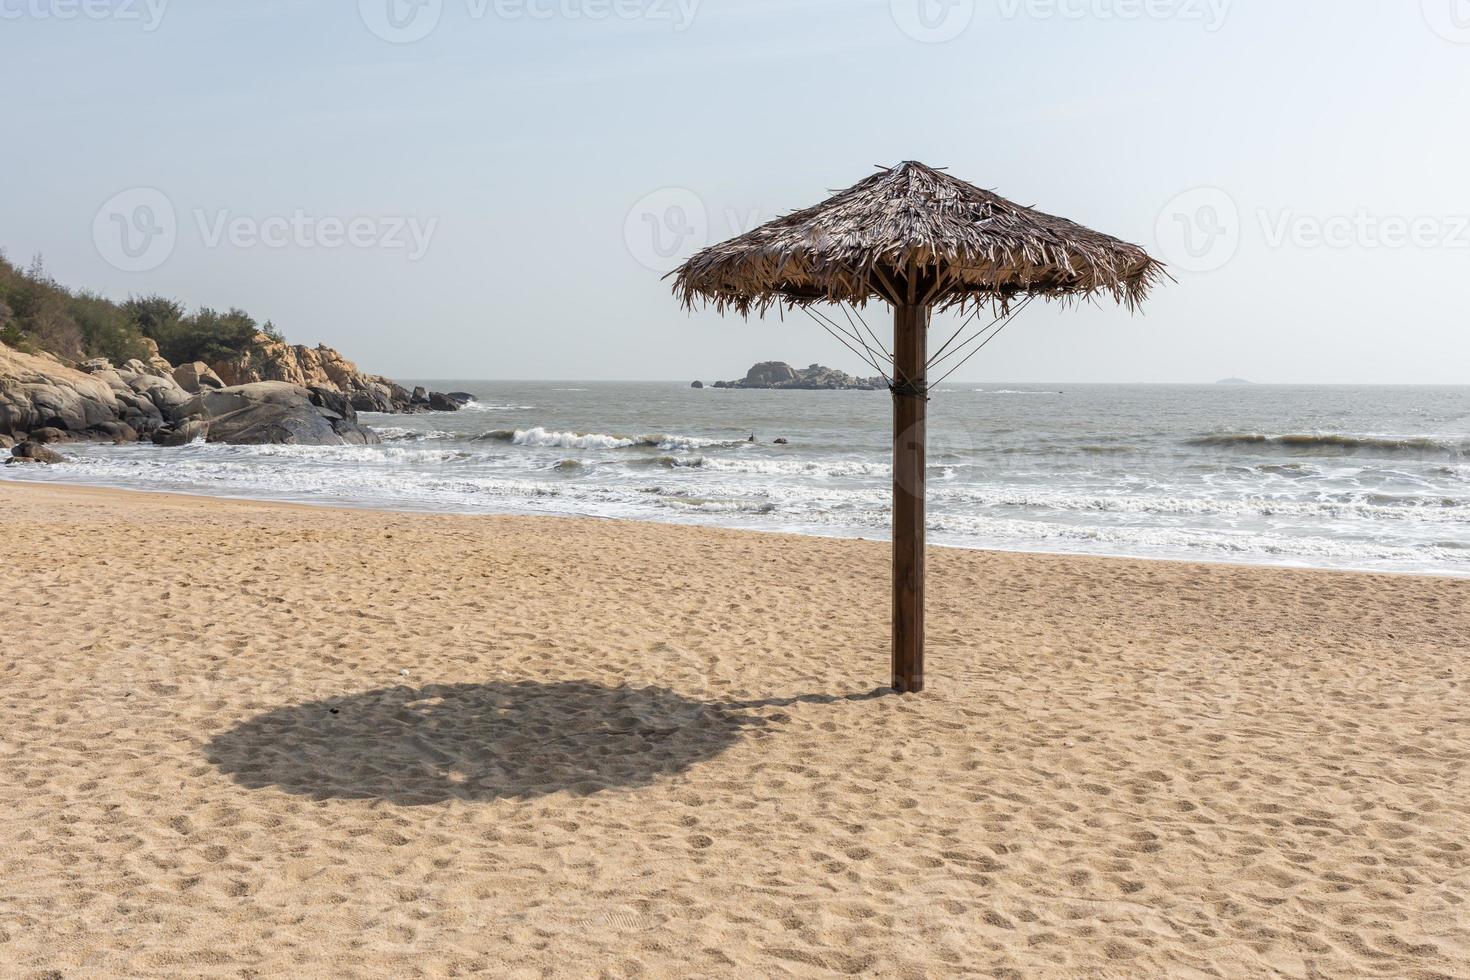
(245,739)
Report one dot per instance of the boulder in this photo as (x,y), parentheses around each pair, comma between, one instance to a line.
(440,402)
(333,402)
(769,374)
(419,397)
(462,397)
(32,452)
(372,397)
(181,434)
(195,376)
(157,363)
(697,384)
(48,434)
(279,413)
(116,430)
(399,396)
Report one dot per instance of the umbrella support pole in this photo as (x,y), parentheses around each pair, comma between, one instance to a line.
(910,409)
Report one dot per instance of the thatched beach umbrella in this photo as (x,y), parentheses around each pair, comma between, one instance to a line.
(919,240)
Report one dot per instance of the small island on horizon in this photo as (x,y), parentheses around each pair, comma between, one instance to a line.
(779,374)
(1234,381)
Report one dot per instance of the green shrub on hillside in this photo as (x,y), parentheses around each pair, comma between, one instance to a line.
(106,330)
(39,310)
(39,314)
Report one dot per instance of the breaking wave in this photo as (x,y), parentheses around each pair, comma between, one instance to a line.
(821,469)
(1337,443)
(1358,506)
(395,433)
(548,439)
(665,462)
(478,406)
(714,505)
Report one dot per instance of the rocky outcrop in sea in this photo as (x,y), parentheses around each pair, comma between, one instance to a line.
(779,374)
(272,393)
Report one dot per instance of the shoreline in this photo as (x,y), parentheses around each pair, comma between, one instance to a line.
(1125,473)
(779,532)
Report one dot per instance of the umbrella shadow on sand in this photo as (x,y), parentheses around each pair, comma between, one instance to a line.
(480,742)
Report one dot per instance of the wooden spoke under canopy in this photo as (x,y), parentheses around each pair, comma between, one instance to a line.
(919,240)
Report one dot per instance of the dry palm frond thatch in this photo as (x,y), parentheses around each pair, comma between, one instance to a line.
(914,235)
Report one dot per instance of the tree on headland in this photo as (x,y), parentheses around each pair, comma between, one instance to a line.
(39,314)
(209,336)
(154,315)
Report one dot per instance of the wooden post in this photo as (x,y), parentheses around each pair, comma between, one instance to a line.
(910,408)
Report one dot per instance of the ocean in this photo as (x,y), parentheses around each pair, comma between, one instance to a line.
(1333,477)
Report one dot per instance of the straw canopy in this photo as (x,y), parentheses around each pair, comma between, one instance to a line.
(911,234)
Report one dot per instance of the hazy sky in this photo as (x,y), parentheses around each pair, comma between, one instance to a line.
(471,188)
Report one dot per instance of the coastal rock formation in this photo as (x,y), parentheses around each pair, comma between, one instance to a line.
(277,412)
(46,399)
(146,399)
(779,374)
(322,367)
(40,391)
